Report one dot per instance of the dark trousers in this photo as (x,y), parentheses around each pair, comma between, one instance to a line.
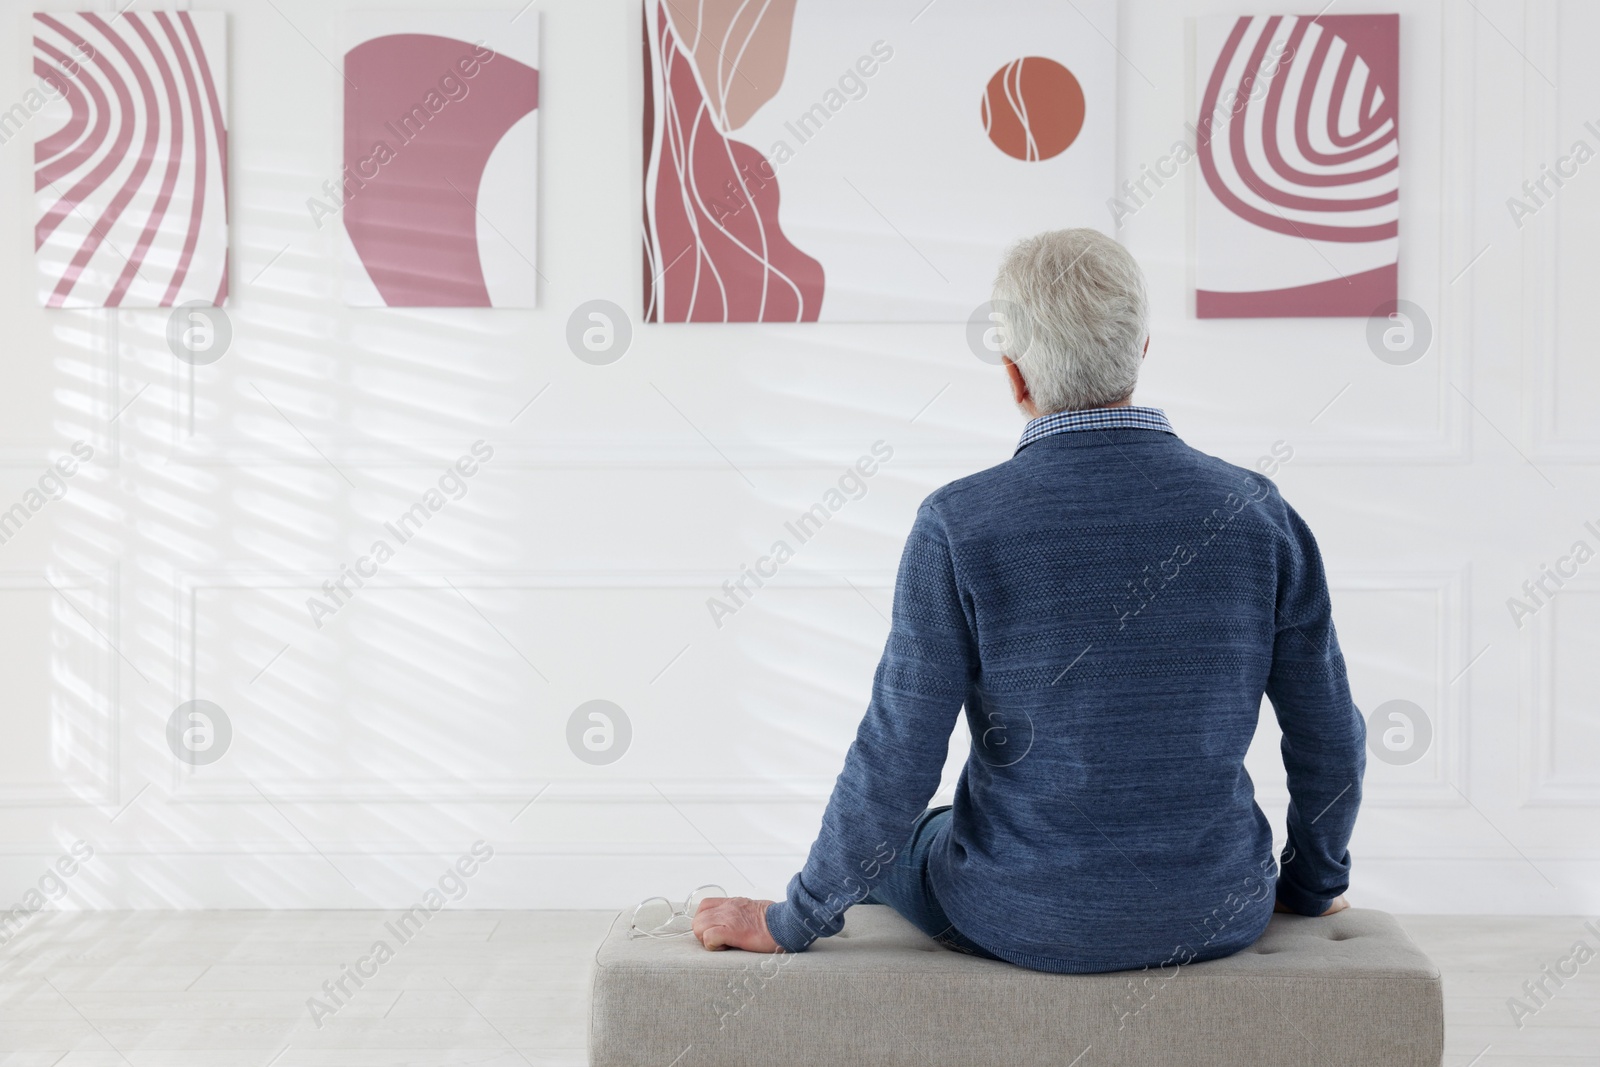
(905,887)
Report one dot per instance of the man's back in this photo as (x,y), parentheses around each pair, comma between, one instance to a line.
(1124,593)
(1109,607)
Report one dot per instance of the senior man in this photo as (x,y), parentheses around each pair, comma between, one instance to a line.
(1109,605)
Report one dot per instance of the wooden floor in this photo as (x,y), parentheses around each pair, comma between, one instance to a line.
(493,989)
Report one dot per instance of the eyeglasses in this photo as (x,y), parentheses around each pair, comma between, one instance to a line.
(660,917)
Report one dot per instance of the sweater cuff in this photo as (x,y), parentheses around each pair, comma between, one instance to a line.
(786,929)
(1299,901)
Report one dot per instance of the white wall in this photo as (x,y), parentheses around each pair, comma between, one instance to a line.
(429,712)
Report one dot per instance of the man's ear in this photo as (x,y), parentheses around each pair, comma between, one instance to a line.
(1019,385)
(1146,350)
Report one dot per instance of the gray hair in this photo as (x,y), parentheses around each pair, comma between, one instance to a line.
(1074,317)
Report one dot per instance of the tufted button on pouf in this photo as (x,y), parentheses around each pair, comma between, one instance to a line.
(1348,989)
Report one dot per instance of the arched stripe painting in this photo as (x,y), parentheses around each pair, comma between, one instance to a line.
(131,159)
(1298,137)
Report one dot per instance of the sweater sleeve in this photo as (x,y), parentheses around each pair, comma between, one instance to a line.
(1324,736)
(893,767)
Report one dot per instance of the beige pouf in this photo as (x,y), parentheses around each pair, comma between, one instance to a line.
(1348,989)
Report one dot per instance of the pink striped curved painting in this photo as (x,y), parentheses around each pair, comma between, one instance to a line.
(1298,136)
(130,158)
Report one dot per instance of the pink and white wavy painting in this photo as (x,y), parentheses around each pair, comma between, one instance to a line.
(714,249)
(1299,146)
(131,159)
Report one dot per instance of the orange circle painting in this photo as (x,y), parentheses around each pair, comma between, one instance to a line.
(1033,108)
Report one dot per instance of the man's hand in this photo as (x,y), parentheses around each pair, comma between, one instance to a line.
(1338,905)
(734,922)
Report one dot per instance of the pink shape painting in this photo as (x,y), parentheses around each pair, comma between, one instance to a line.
(440,160)
(130,158)
(808,161)
(1298,137)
